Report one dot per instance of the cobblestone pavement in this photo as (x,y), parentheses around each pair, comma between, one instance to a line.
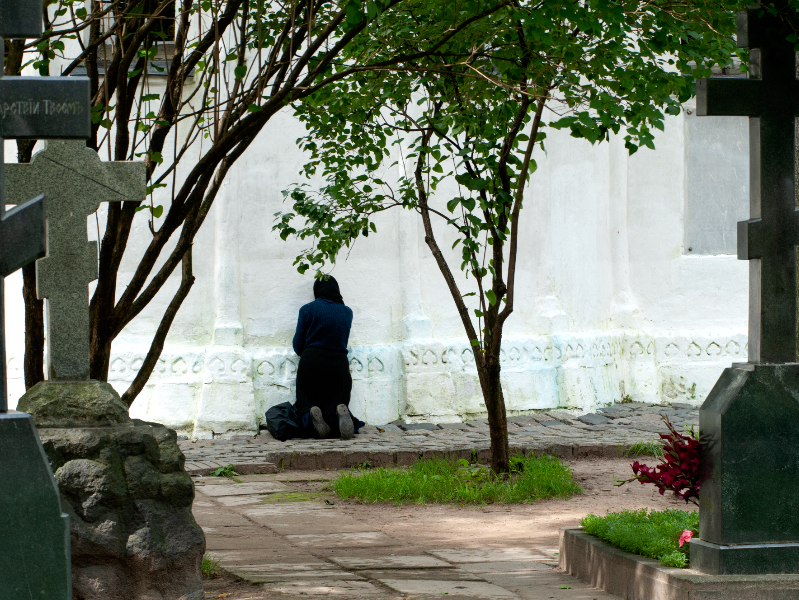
(287,545)
(609,432)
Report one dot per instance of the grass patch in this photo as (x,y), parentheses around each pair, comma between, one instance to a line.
(654,535)
(209,565)
(642,448)
(447,481)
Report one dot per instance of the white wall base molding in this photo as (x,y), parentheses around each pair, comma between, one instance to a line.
(223,391)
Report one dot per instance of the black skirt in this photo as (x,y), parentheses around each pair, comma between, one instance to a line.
(323,380)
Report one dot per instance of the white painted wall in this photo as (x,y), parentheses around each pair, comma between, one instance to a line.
(609,303)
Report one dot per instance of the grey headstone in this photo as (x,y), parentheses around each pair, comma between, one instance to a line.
(75,181)
(34,533)
(593,419)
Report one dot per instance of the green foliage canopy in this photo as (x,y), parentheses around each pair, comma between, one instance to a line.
(457,122)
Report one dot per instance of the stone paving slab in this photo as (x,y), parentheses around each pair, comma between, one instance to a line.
(419,588)
(393,562)
(489,555)
(609,432)
(254,543)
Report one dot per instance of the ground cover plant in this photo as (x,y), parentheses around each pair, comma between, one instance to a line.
(450,481)
(657,534)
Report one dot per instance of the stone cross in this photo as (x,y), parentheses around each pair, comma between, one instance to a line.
(37,108)
(75,181)
(770,98)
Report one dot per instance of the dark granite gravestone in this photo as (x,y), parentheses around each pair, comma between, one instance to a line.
(34,533)
(749,423)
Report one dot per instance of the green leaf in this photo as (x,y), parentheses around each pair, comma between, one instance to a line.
(492,297)
(452,205)
(240,71)
(152,187)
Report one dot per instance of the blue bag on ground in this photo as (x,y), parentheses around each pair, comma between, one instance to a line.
(281,422)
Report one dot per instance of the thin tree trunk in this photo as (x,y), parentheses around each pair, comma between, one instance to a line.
(34,328)
(160,335)
(497,418)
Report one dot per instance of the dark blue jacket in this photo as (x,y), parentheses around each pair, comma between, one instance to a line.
(323,324)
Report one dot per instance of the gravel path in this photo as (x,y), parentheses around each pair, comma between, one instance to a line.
(607,433)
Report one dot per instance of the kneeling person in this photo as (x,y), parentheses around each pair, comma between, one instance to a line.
(324,382)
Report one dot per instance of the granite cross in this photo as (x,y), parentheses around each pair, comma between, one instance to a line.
(31,108)
(75,181)
(770,98)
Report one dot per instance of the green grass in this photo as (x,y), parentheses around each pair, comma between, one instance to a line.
(209,566)
(654,535)
(447,481)
(642,448)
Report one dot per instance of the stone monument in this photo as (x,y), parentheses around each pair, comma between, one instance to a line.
(749,423)
(34,533)
(122,481)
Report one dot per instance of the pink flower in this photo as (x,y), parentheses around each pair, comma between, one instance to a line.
(686,536)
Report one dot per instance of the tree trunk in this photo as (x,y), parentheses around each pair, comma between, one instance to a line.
(34,328)
(497,419)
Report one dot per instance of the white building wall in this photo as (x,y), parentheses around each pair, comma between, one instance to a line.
(609,303)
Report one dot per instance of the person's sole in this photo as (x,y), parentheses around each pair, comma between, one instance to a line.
(318,422)
(345,425)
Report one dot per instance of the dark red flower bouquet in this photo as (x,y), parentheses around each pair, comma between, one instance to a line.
(678,470)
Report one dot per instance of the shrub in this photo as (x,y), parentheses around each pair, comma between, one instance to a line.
(678,471)
(654,535)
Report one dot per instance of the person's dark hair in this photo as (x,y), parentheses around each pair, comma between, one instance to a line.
(327,287)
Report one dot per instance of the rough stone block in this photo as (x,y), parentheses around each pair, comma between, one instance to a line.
(406,458)
(333,458)
(74,404)
(132,530)
(382,458)
(593,419)
(354,458)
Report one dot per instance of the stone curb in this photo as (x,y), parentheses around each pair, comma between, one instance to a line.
(634,577)
(342,458)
